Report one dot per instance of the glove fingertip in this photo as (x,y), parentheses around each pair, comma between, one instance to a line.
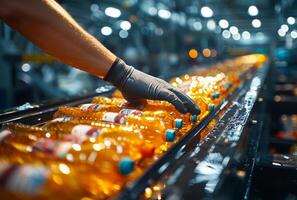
(181,109)
(184,111)
(198,112)
(195,110)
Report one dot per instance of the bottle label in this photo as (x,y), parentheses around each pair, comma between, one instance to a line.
(124,104)
(90,106)
(118,118)
(26,179)
(131,112)
(83,132)
(62,119)
(4,134)
(52,147)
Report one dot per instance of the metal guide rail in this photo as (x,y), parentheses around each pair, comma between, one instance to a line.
(40,113)
(193,166)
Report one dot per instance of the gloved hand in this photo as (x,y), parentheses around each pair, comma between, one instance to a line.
(136,85)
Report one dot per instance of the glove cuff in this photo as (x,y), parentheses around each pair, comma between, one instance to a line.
(118,73)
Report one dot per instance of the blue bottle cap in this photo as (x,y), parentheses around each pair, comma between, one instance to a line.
(126,165)
(229,86)
(170,135)
(194,118)
(213,96)
(211,107)
(178,123)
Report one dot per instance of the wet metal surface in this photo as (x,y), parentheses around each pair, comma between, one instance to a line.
(279,160)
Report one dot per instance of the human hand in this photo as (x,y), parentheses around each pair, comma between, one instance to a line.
(136,86)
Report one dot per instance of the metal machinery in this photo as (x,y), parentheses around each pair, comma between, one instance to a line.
(235,152)
(226,156)
(28,72)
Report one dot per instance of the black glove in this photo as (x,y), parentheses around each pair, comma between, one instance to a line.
(136,85)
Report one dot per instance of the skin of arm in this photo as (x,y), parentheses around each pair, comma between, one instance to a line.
(51,28)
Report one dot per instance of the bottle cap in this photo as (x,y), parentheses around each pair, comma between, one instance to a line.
(211,107)
(215,95)
(170,135)
(178,123)
(126,165)
(229,86)
(194,118)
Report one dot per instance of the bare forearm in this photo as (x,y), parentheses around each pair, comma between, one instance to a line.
(51,28)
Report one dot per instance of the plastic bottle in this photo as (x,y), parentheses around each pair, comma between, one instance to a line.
(32,177)
(204,104)
(84,131)
(105,150)
(142,122)
(125,134)
(168,118)
(76,133)
(36,181)
(149,106)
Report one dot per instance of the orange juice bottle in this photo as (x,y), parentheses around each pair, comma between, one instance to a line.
(148,106)
(73,132)
(122,133)
(36,181)
(167,112)
(117,118)
(99,182)
(105,152)
(168,118)
(204,103)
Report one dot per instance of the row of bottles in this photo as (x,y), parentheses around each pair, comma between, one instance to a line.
(94,149)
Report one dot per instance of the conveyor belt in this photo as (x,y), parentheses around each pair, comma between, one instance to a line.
(191,154)
(193,167)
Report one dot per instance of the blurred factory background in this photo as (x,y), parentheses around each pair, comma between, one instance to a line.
(164,38)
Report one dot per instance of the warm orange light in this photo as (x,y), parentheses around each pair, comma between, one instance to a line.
(193,53)
(133,18)
(213,53)
(206,53)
